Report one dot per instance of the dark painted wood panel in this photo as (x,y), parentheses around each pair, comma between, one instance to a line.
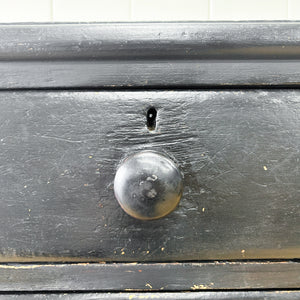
(201,40)
(158,74)
(149,54)
(238,151)
(150,277)
(276,295)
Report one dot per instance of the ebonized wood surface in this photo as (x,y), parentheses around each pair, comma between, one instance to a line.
(151,277)
(149,54)
(275,295)
(238,151)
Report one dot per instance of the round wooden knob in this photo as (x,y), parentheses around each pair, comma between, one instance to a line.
(148,185)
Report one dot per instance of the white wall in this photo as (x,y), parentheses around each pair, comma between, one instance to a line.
(146,10)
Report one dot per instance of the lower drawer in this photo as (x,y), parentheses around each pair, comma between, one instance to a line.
(149,277)
(276,295)
(238,151)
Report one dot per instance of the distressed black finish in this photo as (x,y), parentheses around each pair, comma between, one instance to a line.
(238,151)
(116,41)
(150,277)
(278,295)
(149,55)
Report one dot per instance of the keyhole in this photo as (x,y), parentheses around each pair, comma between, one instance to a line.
(151,118)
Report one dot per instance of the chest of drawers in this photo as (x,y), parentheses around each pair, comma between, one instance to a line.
(219,100)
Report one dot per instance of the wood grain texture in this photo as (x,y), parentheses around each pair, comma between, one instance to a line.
(150,277)
(149,54)
(276,295)
(238,151)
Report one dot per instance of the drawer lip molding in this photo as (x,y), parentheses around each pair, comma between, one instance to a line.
(147,55)
(151,277)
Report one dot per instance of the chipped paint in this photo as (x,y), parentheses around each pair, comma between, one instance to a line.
(199,287)
(202,286)
(148,285)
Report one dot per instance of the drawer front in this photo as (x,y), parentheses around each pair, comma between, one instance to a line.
(238,151)
(150,277)
(275,295)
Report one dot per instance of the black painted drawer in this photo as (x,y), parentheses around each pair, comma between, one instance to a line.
(278,295)
(238,151)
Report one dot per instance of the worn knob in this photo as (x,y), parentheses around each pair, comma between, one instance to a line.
(148,185)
